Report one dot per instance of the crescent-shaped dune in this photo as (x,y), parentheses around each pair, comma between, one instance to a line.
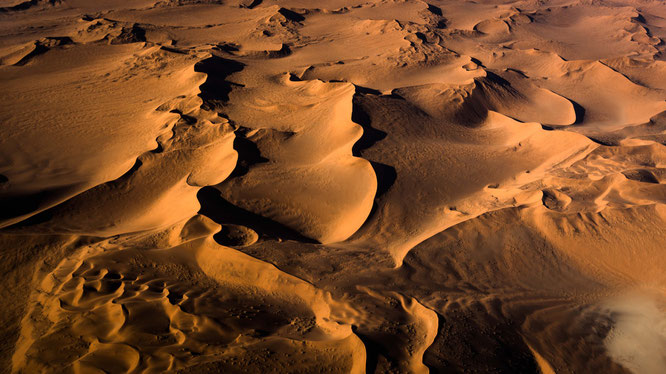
(343,186)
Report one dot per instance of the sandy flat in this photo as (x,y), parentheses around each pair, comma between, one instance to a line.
(372,186)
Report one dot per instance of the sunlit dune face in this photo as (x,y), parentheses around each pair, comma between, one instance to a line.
(268,186)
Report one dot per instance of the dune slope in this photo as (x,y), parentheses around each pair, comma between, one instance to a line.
(372,186)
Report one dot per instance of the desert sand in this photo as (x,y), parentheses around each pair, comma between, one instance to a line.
(372,186)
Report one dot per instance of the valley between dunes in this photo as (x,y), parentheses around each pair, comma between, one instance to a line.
(371,186)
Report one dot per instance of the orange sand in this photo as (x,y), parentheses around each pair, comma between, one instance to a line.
(380,186)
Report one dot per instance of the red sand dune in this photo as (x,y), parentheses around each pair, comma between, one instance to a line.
(380,186)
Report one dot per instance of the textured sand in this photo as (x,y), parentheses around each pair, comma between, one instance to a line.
(380,186)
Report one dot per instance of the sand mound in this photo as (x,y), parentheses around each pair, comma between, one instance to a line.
(368,186)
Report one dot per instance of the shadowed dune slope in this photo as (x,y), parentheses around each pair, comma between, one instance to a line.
(375,186)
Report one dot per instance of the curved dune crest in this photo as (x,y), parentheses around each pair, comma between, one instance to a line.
(153,194)
(37,168)
(371,186)
(111,314)
(310,181)
(464,128)
(327,202)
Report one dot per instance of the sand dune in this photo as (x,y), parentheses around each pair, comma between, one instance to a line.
(372,186)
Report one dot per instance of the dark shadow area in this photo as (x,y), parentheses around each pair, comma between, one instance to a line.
(608,141)
(134,34)
(43,46)
(480,342)
(386,174)
(478,62)
(372,351)
(494,78)
(227,47)
(215,207)
(578,110)
(215,90)
(291,15)
(253,4)
(370,135)
(248,154)
(27,5)
(18,205)
(441,24)
(435,10)
(15,206)
(639,18)
(641,175)
(184,117)
(173,50)
(366,90)
(129,173)
(283,52)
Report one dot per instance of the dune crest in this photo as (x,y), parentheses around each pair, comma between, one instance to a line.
(375,186)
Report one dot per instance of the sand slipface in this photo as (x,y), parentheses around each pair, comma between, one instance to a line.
(259,186)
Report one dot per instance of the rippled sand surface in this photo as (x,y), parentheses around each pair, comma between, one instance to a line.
(291,186)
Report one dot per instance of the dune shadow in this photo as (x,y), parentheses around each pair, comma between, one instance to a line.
(17,205)
(25,5)
(386,174)
(579,111)
(248,154)
(370,135)
(462,337)
(215,90)
(222,212)
(372,351)
(253,4)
